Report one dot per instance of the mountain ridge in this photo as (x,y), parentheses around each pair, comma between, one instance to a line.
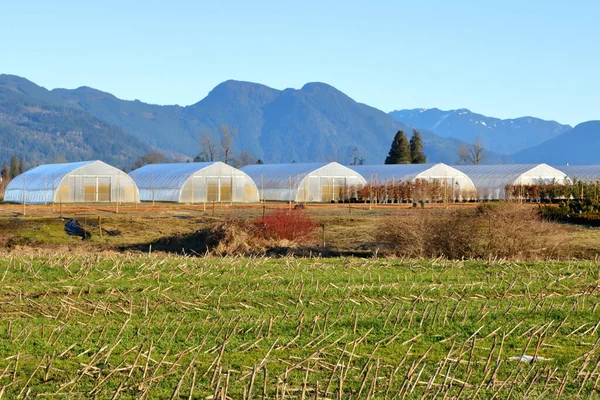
(39,131)
(505,136)
(315,123)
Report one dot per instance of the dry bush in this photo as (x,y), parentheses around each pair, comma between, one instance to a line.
(232,237)
(489,231)
(278,230)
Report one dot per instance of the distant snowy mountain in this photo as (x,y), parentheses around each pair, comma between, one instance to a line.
(504,136)
(579,146)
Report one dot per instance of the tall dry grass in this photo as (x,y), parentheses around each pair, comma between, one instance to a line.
(488,231)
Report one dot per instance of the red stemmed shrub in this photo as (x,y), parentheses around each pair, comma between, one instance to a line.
(292,225)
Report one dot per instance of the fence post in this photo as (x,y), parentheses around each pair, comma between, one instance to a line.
(24,193)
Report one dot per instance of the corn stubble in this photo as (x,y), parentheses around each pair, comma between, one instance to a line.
(190,327)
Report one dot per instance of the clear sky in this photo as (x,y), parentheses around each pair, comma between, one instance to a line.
(502,58)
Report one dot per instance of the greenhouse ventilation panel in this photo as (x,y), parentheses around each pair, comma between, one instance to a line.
(303,182)
(491,180)
(194,183)
(78,182)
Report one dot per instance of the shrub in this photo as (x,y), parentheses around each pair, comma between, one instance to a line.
(491,230)
(291,225)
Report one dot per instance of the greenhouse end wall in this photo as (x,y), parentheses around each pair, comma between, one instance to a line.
(83,182)
(194,183)
(303,182)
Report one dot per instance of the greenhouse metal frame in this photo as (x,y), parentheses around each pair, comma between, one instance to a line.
(203,182)
(78,182)
(303,182)
(491,180)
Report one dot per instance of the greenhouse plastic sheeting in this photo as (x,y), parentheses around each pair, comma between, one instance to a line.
(491,180)
(386,173)
(302,182)
(194,183)
(588,173)
(87,181)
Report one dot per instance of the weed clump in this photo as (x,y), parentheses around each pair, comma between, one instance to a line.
(488,231)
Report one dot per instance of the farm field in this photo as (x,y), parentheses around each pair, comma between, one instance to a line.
(150,326)
(348,230)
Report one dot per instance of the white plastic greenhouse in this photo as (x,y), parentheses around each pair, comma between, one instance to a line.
(78,182)
(303,182)
(587,173)
(491,180)
(194,183)
(462,186)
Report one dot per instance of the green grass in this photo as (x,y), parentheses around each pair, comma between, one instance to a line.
(150,326)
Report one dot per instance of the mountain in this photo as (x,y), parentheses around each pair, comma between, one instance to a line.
(504,136)
(314,123)
(39,131)
(579,146)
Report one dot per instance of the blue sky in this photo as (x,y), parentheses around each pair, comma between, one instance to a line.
(500,58)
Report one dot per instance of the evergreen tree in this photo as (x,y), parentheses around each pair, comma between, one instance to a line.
(399,151)
(14,166)
(21,168)
(417,155)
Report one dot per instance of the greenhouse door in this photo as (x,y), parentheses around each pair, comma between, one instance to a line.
(89,189)
(225,190)
(327,189)
(212,188)
(103,189)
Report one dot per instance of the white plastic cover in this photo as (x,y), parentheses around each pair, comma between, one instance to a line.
(491,180)
(194,183)
(79,182)
(587,173)
(386,173)
(302,182)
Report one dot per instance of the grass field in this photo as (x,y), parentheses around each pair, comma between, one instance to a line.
(177,327)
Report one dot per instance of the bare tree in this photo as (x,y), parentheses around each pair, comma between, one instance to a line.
(474,154)
(227,136)
(355,159)
(207,147)
(154,157)
(245,158)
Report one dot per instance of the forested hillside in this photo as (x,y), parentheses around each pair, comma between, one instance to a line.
(38,132)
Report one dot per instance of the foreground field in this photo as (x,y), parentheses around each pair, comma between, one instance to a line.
(175,327)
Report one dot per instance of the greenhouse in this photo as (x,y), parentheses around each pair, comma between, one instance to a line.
(456,183)
(303,182)
(586,173)
(491,180)
(194,183)
(78,182)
